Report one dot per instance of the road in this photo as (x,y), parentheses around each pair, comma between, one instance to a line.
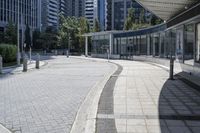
(47,100)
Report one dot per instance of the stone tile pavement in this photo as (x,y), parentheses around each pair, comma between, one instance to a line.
(143,100)
(47,100)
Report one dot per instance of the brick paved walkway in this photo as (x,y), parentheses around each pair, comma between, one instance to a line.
(47,100)
(145,101)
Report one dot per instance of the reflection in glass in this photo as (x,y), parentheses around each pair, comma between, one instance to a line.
(189,43)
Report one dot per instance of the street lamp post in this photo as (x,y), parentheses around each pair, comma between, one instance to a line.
(18,41)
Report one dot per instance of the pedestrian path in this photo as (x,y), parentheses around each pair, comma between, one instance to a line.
(143,100)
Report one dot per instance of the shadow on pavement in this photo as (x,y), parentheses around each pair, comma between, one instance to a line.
(179,108)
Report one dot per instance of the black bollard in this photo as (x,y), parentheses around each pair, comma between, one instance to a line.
(37,66)
(25,64)
(1,65)
(171,73)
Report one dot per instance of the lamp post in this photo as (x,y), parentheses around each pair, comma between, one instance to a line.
(18,41)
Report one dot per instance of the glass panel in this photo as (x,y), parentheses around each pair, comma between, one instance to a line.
(143,45)
(156,43)
(198,44)
(130,46)
(189,45)
(162,44)
(100,44)
(123,46)
(179,44)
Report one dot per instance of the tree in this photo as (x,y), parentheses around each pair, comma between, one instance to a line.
(11,34)
(142,16)
(36,37)
(27,37)
(48,39)
(2,37)
(96,26)
(130,19)
(155,20)
(84,28)
(68,32)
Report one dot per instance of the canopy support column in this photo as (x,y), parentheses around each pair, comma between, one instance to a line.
(86,46)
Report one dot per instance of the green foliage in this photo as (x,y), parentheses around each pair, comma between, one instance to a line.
(96,26)
(36,37)
(1,37)
(132,24)
(48,39)
(155,20)
(8,52)
(84,28)
(68,27)
(27,37)
(130,19)
(11,34)
(71,31)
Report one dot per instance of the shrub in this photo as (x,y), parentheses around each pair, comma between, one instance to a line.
(8,52)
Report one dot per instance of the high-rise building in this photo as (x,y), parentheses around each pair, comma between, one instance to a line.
(117,12)
(108,14)
(50,12)
(29,13)
(75,8)
(63,7)
(91,11)
(102,13)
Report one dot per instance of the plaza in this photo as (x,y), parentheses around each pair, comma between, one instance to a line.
(100,66)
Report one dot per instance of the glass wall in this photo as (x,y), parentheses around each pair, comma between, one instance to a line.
(123,50)
(143,45)
(179,43)
(130,46)
(198,43)
(100,44)
(189,44)
(162,45)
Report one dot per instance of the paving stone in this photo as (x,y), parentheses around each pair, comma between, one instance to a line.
(40,100)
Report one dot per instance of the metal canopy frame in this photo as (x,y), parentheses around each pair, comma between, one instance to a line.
(166,9)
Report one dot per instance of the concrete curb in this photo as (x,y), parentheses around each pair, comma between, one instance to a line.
(5,72)
(3,129)
(85,121)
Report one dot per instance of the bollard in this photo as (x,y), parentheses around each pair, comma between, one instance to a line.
(45,52)
(37,66)
(56,52)
(67,53)
(1,65)
(171,73)
(25,64)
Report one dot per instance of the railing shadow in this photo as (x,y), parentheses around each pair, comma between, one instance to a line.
(179,108)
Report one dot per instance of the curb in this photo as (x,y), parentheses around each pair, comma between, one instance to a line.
(85,121)
(20,71)
(4,130)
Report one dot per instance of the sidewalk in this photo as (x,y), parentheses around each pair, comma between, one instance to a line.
(15,69)
(143,100)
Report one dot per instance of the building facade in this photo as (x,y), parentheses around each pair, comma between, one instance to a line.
(63,7)
(178,38)
(91,11)
(117,12)
(75,8)
(29,13)
(102,14)
(50,13)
